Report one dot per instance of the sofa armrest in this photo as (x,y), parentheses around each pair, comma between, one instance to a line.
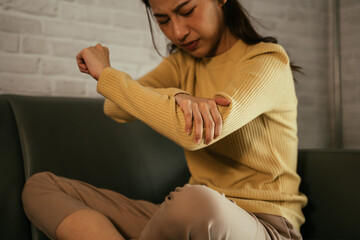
(331,180)
(13,221)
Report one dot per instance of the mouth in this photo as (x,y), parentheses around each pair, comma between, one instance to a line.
(191,46)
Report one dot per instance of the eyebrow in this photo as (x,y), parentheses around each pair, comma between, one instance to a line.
(175,10)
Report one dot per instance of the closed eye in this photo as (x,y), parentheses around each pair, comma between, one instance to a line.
(188,12)
(161,22)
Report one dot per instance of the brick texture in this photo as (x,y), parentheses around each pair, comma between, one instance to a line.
(302,27)
(350,72)
(9,42)
(38,7)
(39,40)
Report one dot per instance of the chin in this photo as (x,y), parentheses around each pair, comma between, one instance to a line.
(198,53)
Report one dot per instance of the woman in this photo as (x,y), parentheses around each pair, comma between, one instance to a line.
(227,96)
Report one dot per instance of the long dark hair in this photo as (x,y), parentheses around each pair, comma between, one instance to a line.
(237,19)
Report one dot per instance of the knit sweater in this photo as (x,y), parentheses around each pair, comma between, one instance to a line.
(253,161)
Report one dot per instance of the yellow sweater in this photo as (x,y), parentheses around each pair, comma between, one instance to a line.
(254,159)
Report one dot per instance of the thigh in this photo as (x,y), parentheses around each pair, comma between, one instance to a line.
(198,212)
(279,228)
(48,199)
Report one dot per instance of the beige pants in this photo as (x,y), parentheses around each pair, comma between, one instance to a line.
(191,212)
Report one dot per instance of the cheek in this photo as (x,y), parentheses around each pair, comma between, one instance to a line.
(167,32)
(209,24)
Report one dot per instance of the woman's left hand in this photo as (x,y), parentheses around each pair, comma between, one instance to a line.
(93,60)
(203,113)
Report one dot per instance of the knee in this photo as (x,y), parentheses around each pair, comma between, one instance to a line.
(199,204)
(193,210)
(35,185)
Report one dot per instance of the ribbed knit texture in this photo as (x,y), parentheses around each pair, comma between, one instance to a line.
(254,159)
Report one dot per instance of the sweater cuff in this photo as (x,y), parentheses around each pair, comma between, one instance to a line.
(172,92)
(107,74)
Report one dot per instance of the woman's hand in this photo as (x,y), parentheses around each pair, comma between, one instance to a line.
(93,60)
(203,113)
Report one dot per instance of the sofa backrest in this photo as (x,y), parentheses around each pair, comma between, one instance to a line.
(73,138)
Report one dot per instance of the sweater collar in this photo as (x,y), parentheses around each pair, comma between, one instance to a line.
(236,51)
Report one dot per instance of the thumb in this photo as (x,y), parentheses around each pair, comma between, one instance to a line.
(222,101)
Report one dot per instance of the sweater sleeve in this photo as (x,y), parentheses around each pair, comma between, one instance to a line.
(163,76)
(155,107)
(258,85)
(255,88)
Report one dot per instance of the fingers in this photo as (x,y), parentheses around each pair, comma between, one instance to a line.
(188,113)
(208,121)
(216,118)
(184,101)
(198,123)
(81,62)
(103,48)
(222,101)
(93,60)
(202,116)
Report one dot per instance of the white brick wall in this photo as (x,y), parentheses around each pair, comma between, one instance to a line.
(302,27)
(350,71)
(40,38)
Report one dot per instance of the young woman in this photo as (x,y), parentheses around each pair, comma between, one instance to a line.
(227,96)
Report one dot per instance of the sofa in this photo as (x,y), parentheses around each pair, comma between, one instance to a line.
(73,138)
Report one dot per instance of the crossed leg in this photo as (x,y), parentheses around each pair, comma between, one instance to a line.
(58,205)
(69,209)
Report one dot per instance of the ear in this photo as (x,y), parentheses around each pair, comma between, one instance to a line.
(222,3)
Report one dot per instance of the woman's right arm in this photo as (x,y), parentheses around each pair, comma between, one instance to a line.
(161,76)
(153,105)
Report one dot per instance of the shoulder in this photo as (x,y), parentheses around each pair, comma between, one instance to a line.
(268,51)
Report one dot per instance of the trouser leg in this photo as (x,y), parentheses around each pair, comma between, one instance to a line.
(190,212)
(200,213)
(48,199)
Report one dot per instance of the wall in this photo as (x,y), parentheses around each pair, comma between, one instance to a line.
(350,71)
(302,27)
(40,38)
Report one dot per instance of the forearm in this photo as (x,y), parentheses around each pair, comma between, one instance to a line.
(155,107)
(117,113)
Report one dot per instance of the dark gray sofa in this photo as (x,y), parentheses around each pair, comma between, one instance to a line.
(73,138)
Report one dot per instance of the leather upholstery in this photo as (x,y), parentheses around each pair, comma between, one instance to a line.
(73,138)
(13,223)
(331,180)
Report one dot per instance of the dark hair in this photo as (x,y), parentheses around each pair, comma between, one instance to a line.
(238,21)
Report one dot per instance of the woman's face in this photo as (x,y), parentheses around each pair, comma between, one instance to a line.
(196,26)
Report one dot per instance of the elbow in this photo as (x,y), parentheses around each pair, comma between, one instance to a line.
(192,146)
(188,146)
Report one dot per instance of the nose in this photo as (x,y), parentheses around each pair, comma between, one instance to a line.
(180,30)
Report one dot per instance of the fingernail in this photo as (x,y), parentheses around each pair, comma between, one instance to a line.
(188,131)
